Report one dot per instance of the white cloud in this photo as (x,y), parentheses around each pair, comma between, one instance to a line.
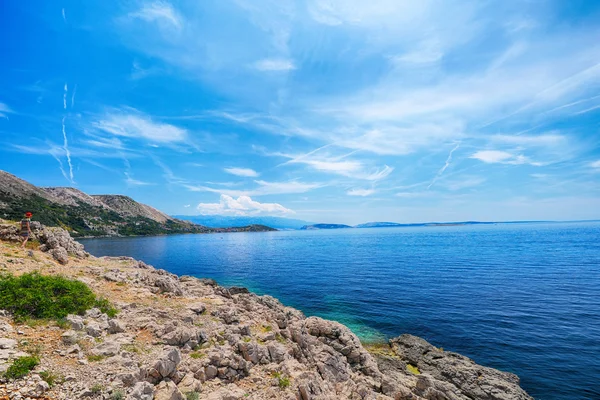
(264,188)
(539,176)
(545,140)
(160,12)
(595,164)
(187,205)
(134,182)
(140,126)
(399,140)
(273,64)
(465,183)
(284,187)
(503,157)
(360,192)
(246,172)
(335,164)
(492,156)
(243,205)
(4,109)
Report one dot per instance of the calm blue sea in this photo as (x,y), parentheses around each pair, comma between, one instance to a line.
(523,298)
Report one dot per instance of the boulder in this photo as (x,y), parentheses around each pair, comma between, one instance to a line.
(165,366)
(142,391)
(167,390)
(107,349)
(93,329)
(189,384)
(69,337)
(75,321)
(452,374)
(60,255)
(115,326)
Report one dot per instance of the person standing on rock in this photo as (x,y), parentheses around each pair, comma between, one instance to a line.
(26,228)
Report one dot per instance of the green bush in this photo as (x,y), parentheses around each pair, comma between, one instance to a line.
(54,297)
(50,377)
(117,394)
(192,396)
(21,367)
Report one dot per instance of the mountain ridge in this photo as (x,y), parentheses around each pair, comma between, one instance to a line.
(85,215)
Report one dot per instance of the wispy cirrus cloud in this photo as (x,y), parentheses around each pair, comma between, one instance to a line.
(360,192)
(244,172)
(263,188)
(4,109)
(502,157)
(161,12)
(274,64)
(243,205)
(135,182)
(595,164)
(131,123)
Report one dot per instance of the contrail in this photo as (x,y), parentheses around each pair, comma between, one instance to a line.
(60,164)
(64,15)
(65,97)
(66,148)
(64,132)
(446,165)
(73,96)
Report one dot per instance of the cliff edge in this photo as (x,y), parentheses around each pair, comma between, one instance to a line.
(180,338)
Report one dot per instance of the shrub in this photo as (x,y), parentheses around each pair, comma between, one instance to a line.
(284,382)
(107,308)
(21,367)
(413,369)
(94,358)
(118,394)
(97,389)
(192,396)
(39,296)
(196,355)
(50,377)
(53,297)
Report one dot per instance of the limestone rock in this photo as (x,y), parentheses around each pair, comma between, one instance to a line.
(189,384)
(115,326)
(165,366)
(75,321)
(69,337)
(106,349)
(142,391)
(167,390)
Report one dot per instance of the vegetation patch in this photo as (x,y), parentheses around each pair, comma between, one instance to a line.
(282,380)
(413,369)
(50,378)
(192,396)
(21,367)
(196,354)
(94,358)
(42,297)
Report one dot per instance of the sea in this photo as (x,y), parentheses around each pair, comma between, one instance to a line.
(523,298)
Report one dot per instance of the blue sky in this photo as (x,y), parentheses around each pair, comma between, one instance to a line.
(325,110)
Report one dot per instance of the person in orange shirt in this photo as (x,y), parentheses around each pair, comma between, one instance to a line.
(25,228)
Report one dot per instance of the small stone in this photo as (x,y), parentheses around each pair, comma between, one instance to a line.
(69,337)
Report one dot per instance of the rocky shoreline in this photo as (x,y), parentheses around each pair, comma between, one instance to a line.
(178,338)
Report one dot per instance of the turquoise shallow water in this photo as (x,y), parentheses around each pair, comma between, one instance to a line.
(523,298)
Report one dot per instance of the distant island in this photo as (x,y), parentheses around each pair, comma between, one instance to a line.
(324,226)
(84,215)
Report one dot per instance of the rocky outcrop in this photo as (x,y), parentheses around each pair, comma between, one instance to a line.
(55,241)
(180,337)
